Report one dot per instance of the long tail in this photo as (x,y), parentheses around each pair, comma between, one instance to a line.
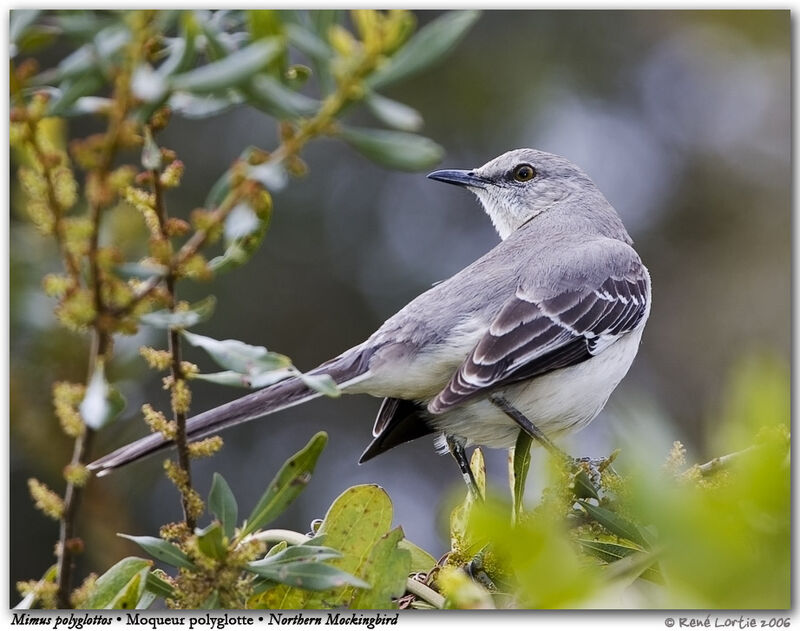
(348,368)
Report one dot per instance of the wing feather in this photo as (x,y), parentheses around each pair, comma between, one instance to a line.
(533,336)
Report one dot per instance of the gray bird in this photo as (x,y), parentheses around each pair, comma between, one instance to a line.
(536,334)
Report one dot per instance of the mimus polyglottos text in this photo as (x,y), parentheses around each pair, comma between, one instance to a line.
(546,323)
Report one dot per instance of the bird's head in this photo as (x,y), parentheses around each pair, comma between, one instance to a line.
(519,185)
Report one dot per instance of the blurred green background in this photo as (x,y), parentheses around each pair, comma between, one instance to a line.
(682,119)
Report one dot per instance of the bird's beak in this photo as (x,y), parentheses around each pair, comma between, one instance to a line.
(460,177)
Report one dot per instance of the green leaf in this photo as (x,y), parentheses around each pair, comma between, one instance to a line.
(357,520)
(263,23)
(73,89)
(308,43)
(210,542)
(421,561)
(131,595)
(222,504)
(238,356)
(148,85)
(182,49)
(582,485)
(19,21)
(324,384)
(607,551)
(142,270)
(278,547)
(293,554)
(147,598)
(237,379)
(614,523)
(212,602)
(287,484)
(386,570)
(393,113)
(165,319)
(157,585)
(430,44)
(521,463)
(161,550)
(101,403)
(271,96)
(116,587)
(194,106)
(233,70)
(308,575)
(394,149)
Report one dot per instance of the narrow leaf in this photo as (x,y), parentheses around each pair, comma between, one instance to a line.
(130,596)
(430,44)
(101,403)
(114,583)
(521,463)
(230,71)
(238,356)
(195,106)
(308,43)
(394,149)
(239,380)
(19,21)
(582,486)
(212,602)
(293,554)
(158,586)
(210,542)
(287,484)
(148,85)
(165,319)
(222,504)
(270,95)
(614,523)
(72,90)
(393,113)
(324,384)
(161,550)
(308,575)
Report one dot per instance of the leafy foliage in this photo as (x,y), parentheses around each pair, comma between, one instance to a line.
(132,71)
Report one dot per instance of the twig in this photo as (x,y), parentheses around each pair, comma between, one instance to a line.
(74,492)
(720,462)
(426,593)
(277,535)
(176,371)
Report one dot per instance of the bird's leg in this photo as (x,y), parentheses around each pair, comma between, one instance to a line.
(593,467)
(456,448)
(529,428)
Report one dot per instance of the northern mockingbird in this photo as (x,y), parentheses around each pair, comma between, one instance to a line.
(536,334)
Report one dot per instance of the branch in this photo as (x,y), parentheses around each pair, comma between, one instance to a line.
(721,462)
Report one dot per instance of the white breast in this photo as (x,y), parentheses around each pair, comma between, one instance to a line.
(562,401)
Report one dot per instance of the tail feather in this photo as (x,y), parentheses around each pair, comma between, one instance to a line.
(284,394)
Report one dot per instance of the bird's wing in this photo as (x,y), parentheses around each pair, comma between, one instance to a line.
(534,335)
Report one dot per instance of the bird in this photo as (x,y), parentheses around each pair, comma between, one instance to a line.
(535,335)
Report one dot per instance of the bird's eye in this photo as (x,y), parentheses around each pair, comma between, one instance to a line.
(524,173)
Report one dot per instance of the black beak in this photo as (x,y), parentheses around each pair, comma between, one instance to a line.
(459,177)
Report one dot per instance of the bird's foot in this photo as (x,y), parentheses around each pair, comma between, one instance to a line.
(588,474)
(476,570)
